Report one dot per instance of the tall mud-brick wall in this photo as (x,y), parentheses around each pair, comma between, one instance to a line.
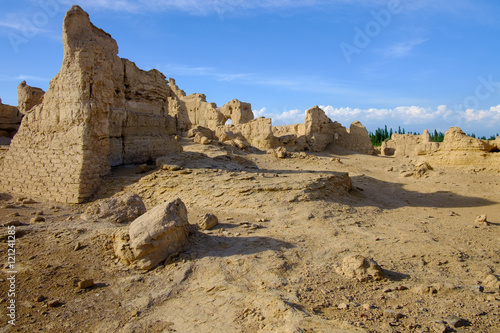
(90,119)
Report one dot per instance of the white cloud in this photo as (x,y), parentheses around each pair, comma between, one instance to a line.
(294,116)
(490,117)
(20,25)
(219,7)
(23,78)
(401,49)
(415,118)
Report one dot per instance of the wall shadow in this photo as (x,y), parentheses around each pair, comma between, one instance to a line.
(204,245)
(388,195)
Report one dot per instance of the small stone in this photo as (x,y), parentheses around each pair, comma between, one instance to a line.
(204,140)
(37,219)
(440,328)
(40,298)
(491,281)
(343,306)
(453,214)
(456,321)
(77,247)
(14,223)
(406,174)
(28,201)
(171,167)
(482,219)
(393,314)
(478,288)
(367,306)
(401,288)
(208,221)
(85,284)
(54,303)
(143,168)
(16,214)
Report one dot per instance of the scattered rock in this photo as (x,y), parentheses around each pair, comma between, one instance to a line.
(478,289)
(425,289)
(441,327)
(154,236)
(14,223)
(201,139)
(393,314)
(143,168)
(28,202)
(343,306)
(77,247)
(54,303)
(121,209)
(40,298)
(482,219)
(491,281)
(422,169)
(406,174)
(456,322)
(86,284)
(361,268)
(279,152)
(367,306)
(208,221)
(37,219)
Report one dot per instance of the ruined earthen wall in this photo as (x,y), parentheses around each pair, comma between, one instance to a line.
(318,131)
(28,97)
(10,119)
(99,111)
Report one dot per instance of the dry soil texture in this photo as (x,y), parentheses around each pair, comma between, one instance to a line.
(273,264)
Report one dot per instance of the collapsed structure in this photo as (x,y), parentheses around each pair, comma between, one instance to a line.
(102,111)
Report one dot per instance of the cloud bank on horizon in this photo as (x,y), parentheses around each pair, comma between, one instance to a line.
(418,64)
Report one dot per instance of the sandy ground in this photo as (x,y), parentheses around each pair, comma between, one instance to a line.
(273,262)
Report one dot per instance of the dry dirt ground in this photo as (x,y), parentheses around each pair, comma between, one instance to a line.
(272,264)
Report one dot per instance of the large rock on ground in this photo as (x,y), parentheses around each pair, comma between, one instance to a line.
(154,236)
(361,268)
(122,209)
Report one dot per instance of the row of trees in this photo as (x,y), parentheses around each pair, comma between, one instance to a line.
(382,134)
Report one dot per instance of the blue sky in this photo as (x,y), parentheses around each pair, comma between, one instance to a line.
(411,63)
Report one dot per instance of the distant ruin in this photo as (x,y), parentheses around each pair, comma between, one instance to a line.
(102,111)
(456,149)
